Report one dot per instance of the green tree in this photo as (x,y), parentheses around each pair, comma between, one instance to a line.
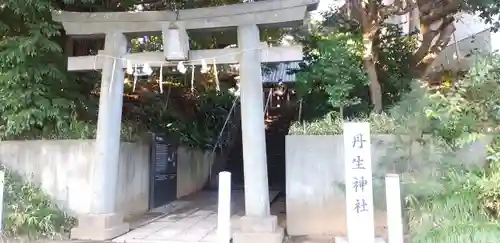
(32,81)
(41,98)
(432,21)
(333,66)
(331,75)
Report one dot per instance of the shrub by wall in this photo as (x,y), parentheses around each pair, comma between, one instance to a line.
(29,212)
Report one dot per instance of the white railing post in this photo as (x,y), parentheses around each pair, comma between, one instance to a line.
(224,208)
(394,213)
(2,182)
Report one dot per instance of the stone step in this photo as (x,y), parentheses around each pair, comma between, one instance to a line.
(343,239)
(323,239)
(310,239)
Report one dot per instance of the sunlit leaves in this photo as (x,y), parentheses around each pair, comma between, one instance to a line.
(334,65)
(336,68)
(31,78)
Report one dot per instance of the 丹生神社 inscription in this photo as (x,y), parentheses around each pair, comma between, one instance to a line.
(358,176)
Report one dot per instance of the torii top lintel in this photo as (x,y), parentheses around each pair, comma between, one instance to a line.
(263,13)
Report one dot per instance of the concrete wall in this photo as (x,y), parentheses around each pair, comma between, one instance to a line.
(63,169)
(133,179)
(193,170)
(315,198)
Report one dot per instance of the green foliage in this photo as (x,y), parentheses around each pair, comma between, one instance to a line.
(42,101)
(490,184)
(199,122)
(393,66)
(202,130)
(87,130)
(29,212)
(332,75)
(452,211)
(442,194)
(471,105)
(31,81)
(334,71)
(440,186)
(331,124)
(130,5)
(447,198)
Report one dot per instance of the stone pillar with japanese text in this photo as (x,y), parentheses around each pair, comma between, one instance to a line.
(358,182)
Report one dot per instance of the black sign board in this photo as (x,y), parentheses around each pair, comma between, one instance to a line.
(163,184)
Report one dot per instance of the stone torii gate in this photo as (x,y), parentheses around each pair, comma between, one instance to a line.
(258,225)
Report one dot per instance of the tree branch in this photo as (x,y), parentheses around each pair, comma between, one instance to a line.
(397,8)
(432,13)
(430,49)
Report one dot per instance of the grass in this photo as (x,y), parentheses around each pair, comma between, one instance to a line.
(331,124)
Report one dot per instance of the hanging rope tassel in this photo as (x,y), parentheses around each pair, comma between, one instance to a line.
(216,73)
(160,81)
(192,78)
(135,78)
(130,69)
(95,62)
(181,68)
(204,67)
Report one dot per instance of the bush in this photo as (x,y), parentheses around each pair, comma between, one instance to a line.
(490,184)
(29,212)
(79,130)
(197,123)
(453,201)
(331,124)
(446,199)
(451,212)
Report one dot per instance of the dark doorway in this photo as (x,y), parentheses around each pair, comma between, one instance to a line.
(163,174)
(279,115)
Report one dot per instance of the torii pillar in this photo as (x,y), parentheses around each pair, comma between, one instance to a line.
(103,223)
(258,225)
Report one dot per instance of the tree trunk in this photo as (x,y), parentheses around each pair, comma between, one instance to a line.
(370,23)
(375,89)
(369,62)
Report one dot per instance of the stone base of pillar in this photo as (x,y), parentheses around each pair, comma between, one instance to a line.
(340,239)
(259,229)
(267,237)
(99,227)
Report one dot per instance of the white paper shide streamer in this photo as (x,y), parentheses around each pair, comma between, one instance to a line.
(204,66)
(130,68)
(138,70)
(160,80)
(181,68)
(146,69)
